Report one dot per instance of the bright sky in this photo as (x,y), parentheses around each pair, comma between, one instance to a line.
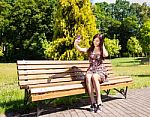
(131,1)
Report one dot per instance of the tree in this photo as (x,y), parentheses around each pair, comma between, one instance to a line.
(145,37)
(112,46)
(30,21)
(134,46)
(72,18)
(5,9)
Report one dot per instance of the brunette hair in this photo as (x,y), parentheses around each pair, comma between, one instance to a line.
(101,39)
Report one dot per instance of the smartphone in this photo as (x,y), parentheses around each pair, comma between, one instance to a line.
(79,37)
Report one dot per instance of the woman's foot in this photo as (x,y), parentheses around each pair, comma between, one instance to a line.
(93,108)
(98,108)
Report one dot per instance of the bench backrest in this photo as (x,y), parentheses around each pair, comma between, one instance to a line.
(32,72)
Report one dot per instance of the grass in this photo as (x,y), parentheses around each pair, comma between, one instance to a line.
(133,67)
(11,97)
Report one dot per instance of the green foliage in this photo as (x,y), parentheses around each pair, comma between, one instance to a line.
(30,21)
(1,51)
(145,36)
(134,46)
(24,24)
(112,46)
(72,18)
(121,19)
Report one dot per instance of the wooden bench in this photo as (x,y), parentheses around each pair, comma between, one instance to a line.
(46,79)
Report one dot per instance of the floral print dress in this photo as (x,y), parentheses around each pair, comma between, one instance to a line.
(97,66)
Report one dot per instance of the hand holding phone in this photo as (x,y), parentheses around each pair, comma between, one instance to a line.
(79,37)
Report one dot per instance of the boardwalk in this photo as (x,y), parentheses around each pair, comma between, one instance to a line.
(137,104)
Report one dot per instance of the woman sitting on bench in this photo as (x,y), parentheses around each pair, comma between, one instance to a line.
(96,73)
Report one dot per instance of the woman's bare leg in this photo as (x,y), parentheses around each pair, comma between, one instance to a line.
(90,87)
(96,81)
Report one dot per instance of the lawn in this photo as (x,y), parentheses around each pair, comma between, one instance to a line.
(11,97)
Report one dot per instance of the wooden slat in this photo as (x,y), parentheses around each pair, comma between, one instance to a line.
(72,82)
(41,62)
(47,80)
(29,82)
(56,84)
(47,76)
(56,88)
(51,71)
(69,87)
(57,94)
(28,67)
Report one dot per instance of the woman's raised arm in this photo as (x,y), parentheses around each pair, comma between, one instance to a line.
(76,42)
(105,53)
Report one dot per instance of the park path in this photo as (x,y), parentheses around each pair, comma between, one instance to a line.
(137,104)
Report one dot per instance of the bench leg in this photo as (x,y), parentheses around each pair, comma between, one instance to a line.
(107,92)
(39,111)
(122,91)
(26,97)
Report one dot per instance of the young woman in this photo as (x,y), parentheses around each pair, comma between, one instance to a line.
(96,73)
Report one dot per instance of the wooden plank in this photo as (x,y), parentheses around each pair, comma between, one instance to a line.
(40,62)
(56,84)
(68,87)
(57,94)
(111,86)
(57,88)
(67,79)
(47,76)
(71,82)
(69,66)
(51,71)
(43,81)
(50,95)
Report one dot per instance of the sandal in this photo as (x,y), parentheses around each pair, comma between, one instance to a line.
(98,108)
(93,107)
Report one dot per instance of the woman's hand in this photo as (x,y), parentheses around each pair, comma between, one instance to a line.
(77,41)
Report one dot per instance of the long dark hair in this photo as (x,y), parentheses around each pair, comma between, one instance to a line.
(101,39)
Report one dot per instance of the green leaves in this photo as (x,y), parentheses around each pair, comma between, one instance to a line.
(134,46)
(112,47)
(71,18)
(145,36)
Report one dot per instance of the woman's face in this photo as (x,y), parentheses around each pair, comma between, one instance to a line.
(96,42)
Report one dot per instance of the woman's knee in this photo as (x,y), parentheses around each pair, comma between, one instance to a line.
(88,78)
(95,77)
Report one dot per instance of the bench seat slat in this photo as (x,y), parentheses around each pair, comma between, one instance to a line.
(49,95)
(51,79)
(71,82)
(69,87)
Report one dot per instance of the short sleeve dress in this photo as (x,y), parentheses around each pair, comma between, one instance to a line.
(97,66)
